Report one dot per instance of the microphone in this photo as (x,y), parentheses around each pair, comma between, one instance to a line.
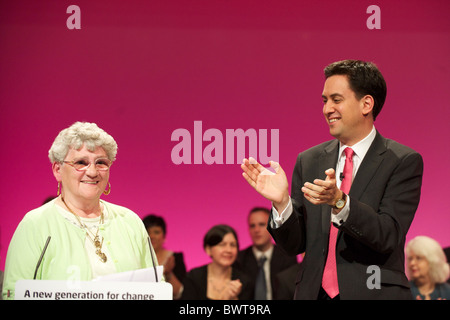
(153,259)
(341,176)
(42,256)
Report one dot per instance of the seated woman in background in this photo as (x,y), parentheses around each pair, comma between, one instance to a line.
(173,262)
(218,280)
(428,269)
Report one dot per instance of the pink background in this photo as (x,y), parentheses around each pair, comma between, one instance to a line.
(141,69)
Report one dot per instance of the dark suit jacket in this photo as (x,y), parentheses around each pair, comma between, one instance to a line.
(285,282)
(196,284)
(246,261)
(384,196)
(180,268)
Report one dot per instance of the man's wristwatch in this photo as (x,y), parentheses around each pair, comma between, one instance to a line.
(341,202)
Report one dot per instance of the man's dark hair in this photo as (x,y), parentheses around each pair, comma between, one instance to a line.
(364,79)
(256,209)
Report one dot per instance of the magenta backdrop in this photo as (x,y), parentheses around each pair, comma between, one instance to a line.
(141,69)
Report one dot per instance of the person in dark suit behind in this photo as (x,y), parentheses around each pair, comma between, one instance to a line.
(275,259)
(367,224)
(285,282)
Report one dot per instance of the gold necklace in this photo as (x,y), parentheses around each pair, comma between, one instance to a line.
(96,238)
(213,285)
(213,281)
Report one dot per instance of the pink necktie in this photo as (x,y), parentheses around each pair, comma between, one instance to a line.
(329,280)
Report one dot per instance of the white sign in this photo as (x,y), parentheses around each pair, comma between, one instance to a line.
(139,275)
(92,290)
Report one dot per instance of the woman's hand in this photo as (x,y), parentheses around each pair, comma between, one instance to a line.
(232,290)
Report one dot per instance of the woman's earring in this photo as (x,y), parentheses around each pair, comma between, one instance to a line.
(59,188)
(106,192)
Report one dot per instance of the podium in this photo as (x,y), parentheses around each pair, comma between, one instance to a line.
(92,290)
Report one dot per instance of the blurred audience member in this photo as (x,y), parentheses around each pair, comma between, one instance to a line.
(48,199)
(447,255)
(428,269)
(218,280)
(173,262)
(262,260)
(285,282)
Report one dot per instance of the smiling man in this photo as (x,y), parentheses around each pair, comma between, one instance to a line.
(352,199)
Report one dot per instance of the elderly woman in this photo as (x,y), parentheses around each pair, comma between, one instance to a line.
(428,269)
(218,280)
(89,237)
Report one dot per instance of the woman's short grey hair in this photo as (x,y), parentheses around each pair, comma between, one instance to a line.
(431,250)
(79,134)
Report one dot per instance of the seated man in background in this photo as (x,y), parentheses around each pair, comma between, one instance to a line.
(262,260)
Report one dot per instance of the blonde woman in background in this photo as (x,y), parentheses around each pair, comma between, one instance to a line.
(428,269)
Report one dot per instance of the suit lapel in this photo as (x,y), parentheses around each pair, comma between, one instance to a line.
(368,167)
(366,172)
(327,160)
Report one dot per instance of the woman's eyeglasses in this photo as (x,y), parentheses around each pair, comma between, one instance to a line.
(101,164)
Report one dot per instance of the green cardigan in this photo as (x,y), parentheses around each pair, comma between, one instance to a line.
(124,235)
